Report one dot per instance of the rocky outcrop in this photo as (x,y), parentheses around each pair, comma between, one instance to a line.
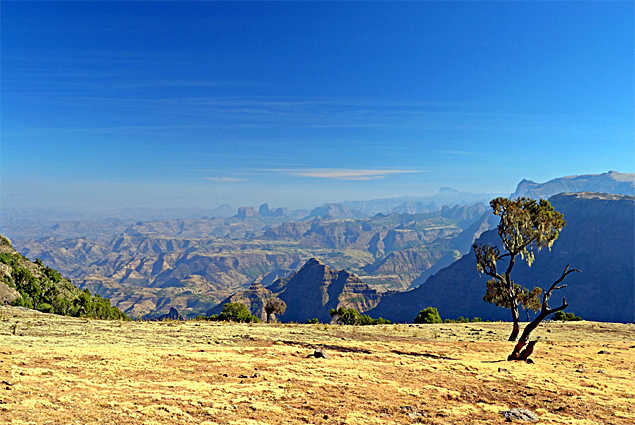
(253,298)
(264,211)
(598,240)
(7,293)
(173,314)
(246,212)
(415,207)
(291,230)
(611,182)
(334,211)
(316,288)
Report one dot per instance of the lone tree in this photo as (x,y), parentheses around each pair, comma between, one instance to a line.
(525,225)
(274,306)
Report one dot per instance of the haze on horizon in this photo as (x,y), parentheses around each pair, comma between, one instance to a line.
(195,104)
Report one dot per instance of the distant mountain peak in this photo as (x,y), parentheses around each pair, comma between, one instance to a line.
(610,182)
(448,190)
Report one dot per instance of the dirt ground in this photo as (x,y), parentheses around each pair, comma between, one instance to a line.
(58,370)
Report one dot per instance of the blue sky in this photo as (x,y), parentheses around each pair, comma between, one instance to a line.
(194,104)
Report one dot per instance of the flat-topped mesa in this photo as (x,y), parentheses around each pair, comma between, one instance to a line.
(245,212)
(264,211)
(333,211)
(611,182)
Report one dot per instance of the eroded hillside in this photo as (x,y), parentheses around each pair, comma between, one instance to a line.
(194,264)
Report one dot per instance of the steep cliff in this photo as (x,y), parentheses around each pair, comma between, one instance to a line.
(598,240)
(316,288)
(253,298)
(611,182)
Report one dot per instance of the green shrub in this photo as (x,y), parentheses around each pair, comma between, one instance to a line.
(566,317)
(428,315)
(45,308)
(314,321)
(235,312)
(51,293)
(350,316)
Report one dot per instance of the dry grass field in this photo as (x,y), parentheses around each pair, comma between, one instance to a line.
(58,370)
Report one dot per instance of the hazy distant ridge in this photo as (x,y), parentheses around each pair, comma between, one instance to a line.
(611,182)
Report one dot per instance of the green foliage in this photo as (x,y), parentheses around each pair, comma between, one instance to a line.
(428,315)
(567,317)
(51,293)
(350,316)
(23,301)
(525,225)
(235,312)
(45,308)
(52,274)
(462,319)
(313,321)
(9,259)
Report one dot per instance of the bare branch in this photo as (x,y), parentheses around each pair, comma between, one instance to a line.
(549,311)
(555,286)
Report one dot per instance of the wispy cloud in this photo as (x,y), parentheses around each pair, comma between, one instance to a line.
(340,173)
(224,179)
(464,153)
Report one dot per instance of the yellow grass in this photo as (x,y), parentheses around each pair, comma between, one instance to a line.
(74,371)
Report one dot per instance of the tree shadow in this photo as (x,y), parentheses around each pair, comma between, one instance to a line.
(432,356)
(328,347)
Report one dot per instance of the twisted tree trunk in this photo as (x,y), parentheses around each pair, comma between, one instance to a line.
(545,311)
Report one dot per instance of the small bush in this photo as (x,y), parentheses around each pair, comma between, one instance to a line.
(566,317)
(235,312)
(350,316)
(45,308)
(313,321)
(428,315)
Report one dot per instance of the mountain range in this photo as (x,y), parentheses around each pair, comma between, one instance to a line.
(611,182)
(193,264)
(598,240)
(147,267)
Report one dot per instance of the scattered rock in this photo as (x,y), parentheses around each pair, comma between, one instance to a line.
(500,369)
(600,371)
(319,353)
(603,352)
(523,415)
(256,375)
